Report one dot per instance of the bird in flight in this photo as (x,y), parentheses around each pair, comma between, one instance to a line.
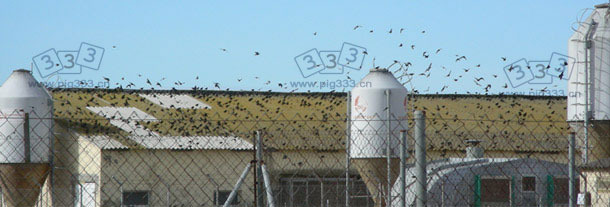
(356,27)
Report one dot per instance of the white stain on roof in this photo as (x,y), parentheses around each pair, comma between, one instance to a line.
(105,142)
(175,101)
(126,118)
(174,142)
(192,142)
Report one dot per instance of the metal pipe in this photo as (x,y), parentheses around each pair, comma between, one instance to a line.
(420,158)
(388,151)
(587,85)
(120,189)
(259,173)
(237,185)
(571,172)
(347,146)
(268,189)
(403,165)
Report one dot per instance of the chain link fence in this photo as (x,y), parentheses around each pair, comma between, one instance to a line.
(122,156)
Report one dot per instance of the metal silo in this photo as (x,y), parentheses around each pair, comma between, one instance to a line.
(26,118)
(378,114)
(589,84)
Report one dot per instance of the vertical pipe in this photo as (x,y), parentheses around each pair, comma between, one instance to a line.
(587,85)
(420,158)
(270,199)
(26,137)
(237,185)
(388,151)
(168,195)
(571,172)
(347,146)
(259,172)
(120,189)
(403,165)
(443,191)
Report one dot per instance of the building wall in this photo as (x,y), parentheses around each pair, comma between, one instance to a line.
(600,193)
(455,187)
(173,177)
(77,160)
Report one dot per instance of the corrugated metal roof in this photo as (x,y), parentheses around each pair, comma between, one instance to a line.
(601,164)
(317,120)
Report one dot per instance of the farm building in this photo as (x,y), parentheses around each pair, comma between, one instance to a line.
(491,182)
(597,175)
(188,148)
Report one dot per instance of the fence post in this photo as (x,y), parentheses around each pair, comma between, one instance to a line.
(347,146)
(571,172)
(403,165)
(259,171)
(420,158)
(26,137)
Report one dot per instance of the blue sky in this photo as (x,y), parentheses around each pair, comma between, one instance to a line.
(167,42)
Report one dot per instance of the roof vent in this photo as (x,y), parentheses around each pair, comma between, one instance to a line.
(474,150)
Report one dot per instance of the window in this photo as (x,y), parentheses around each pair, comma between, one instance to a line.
(85,195)
(220,197)
(562,190)
(528,184)
(135,198)
(322,191)
(495,190)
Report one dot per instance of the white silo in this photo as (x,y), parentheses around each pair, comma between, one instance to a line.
(26,118)
(369,129)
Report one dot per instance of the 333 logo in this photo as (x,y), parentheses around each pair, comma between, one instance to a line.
(331,61)
(539,71)
(68,61)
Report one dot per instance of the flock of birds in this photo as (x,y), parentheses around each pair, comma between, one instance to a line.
(406,72)
(296,110)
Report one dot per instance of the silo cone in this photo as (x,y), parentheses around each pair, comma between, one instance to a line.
(22,183)
(25,106)
(374,174)
(378,109)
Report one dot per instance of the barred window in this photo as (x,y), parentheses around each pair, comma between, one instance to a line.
(220,197)
(324,191)
(136,198)
(528,184)
(495,190)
